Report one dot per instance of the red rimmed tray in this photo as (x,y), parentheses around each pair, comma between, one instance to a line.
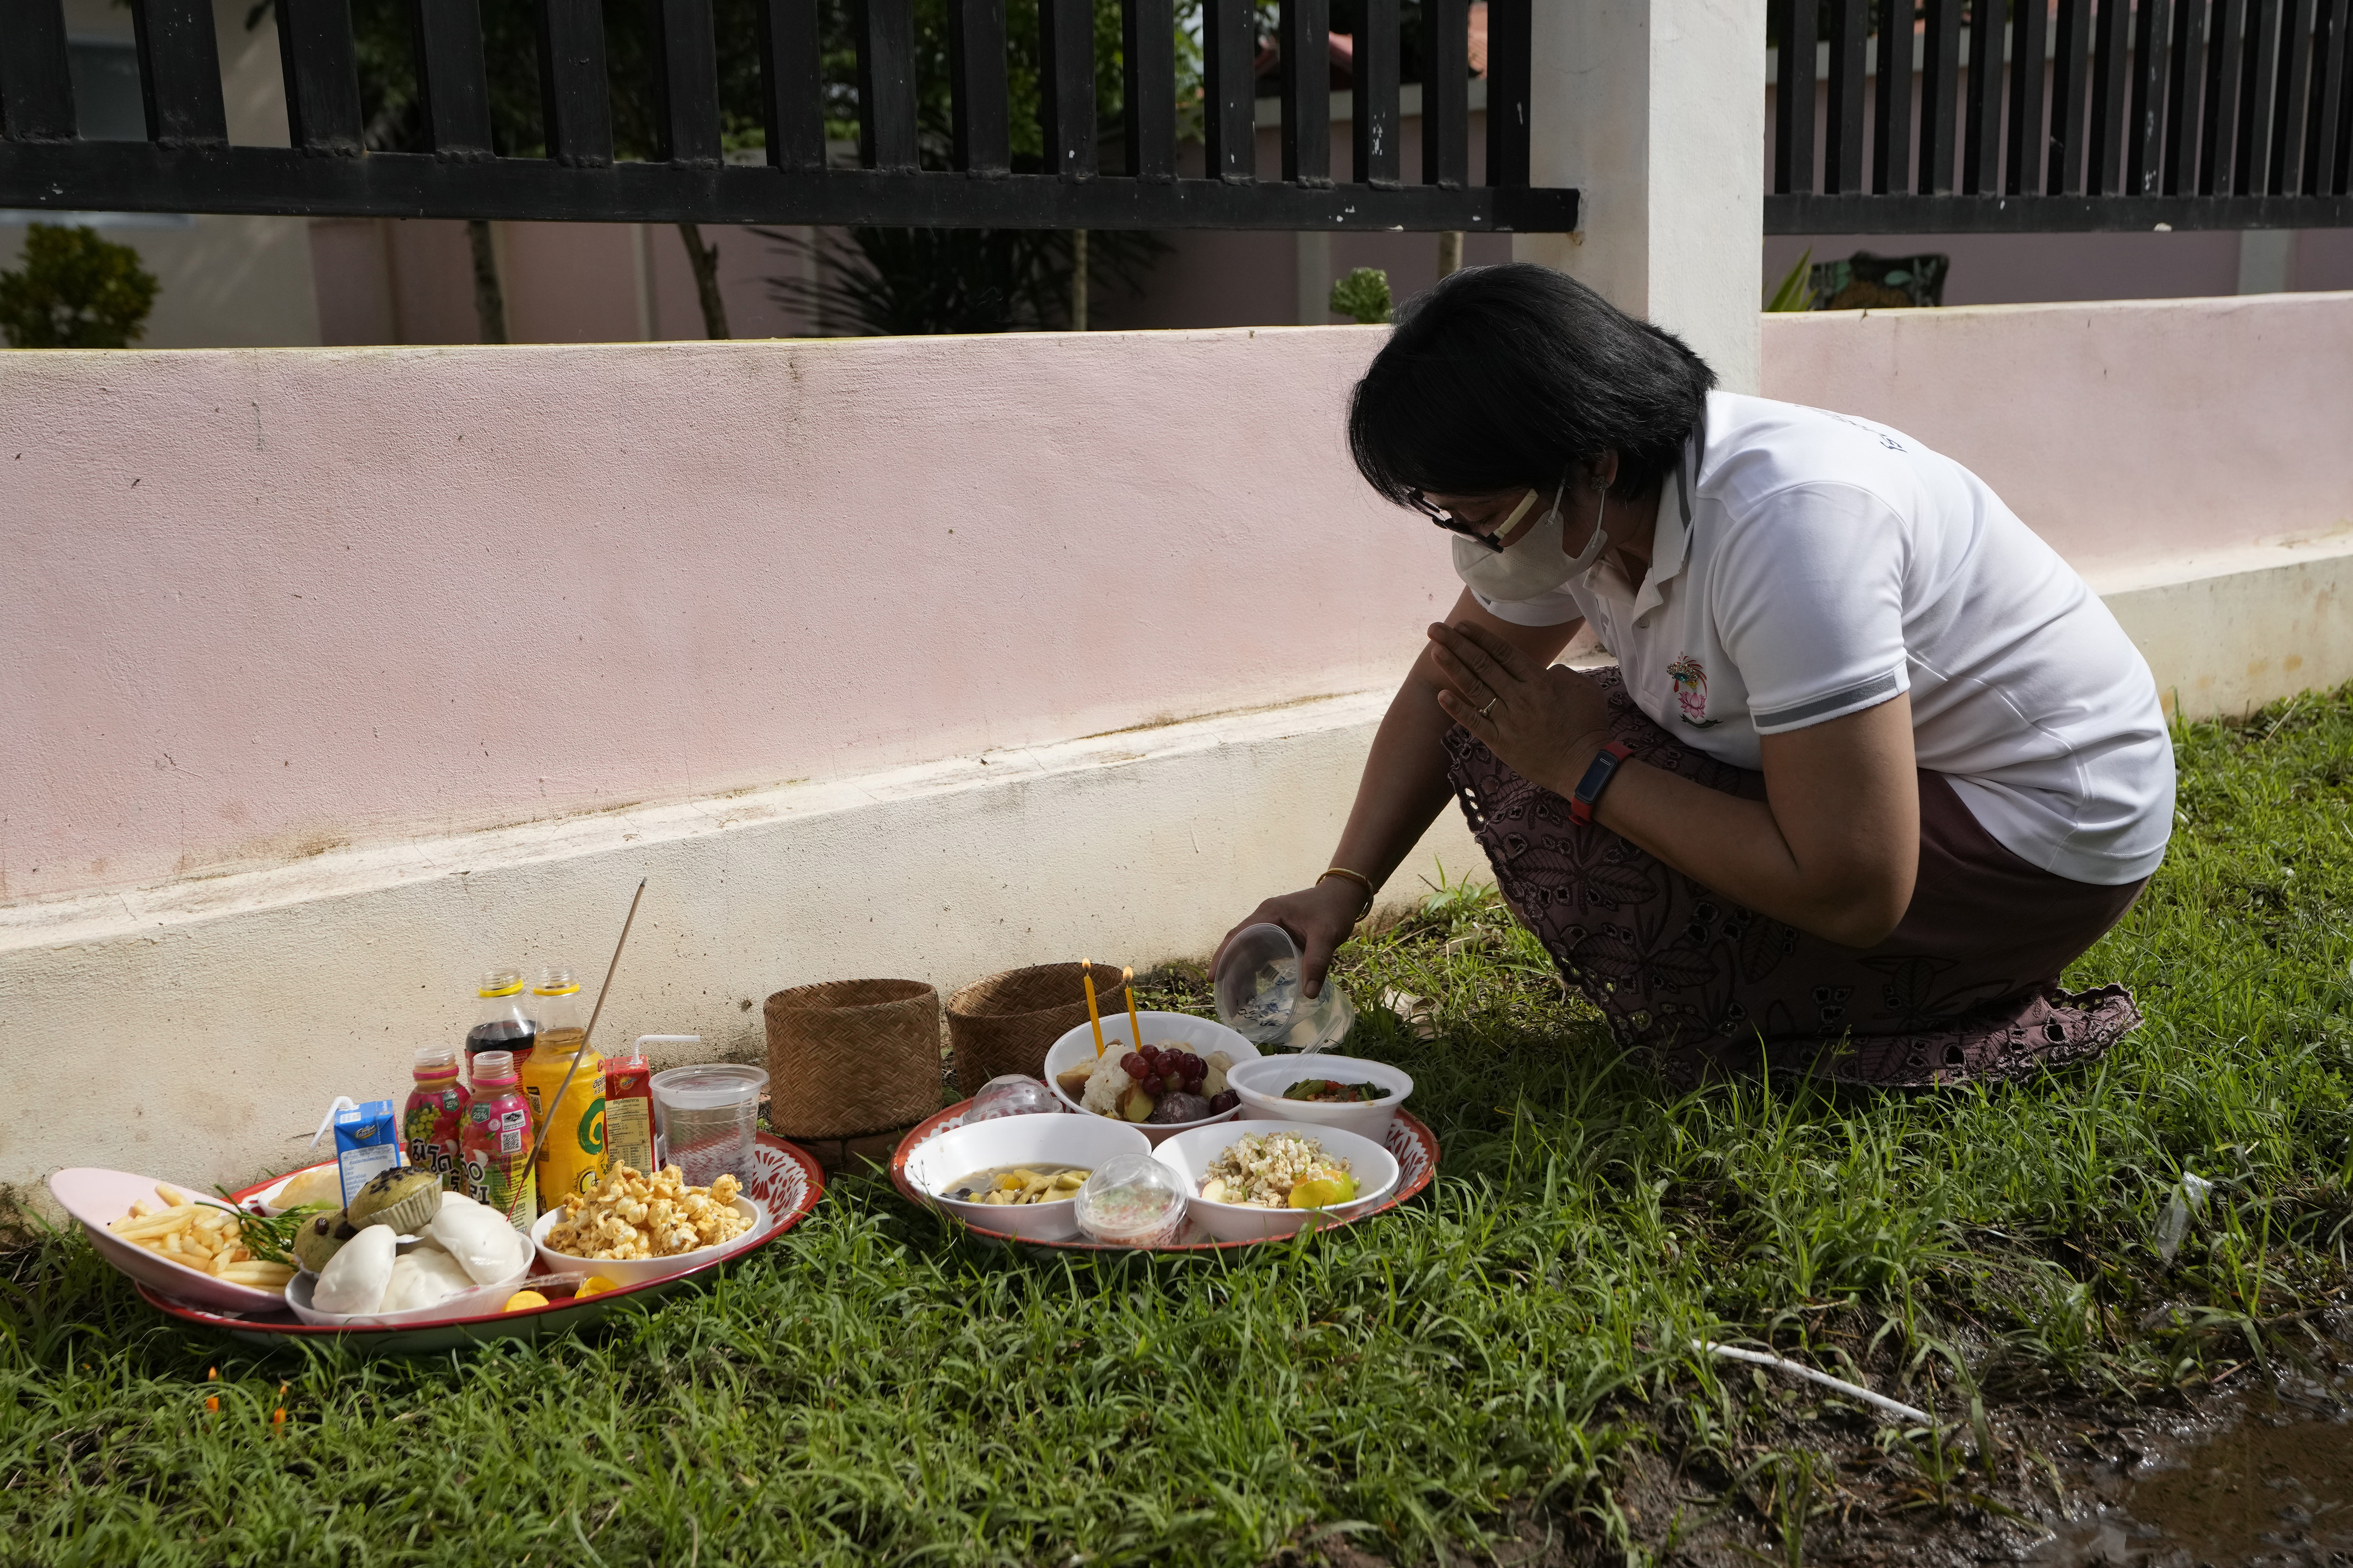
(786,1179)
(1414,1144)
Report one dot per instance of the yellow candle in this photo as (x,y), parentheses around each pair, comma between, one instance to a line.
(1087,975)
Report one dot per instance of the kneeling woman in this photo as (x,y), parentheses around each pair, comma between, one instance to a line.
(1874,764)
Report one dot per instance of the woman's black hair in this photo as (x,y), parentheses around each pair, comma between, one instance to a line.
(1505,376)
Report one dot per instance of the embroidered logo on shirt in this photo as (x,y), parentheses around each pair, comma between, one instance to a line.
(1690,677)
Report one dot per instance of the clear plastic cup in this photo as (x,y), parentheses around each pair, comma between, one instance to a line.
(1259,995)
(706,1116)
(1010,1094)
(1133,1200)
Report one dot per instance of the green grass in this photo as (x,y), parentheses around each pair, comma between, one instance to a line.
(874,1389)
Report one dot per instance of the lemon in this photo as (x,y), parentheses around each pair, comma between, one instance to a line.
(523,1300)
(1323,1191)
(595,1285)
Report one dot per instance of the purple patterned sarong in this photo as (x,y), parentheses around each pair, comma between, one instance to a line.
(1697,986)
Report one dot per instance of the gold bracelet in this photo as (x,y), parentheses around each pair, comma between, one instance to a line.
(1361,880)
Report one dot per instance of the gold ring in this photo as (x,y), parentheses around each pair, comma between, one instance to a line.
(1490,705)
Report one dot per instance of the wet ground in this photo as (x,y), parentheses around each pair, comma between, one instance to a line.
(2267,1481)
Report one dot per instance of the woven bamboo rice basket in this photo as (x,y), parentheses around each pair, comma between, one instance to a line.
(846,1058)
(1005,1024)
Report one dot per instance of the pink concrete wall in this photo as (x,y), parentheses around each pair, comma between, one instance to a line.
(255,604)
(2123,432)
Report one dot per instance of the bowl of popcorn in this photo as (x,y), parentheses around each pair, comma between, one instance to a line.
(633,1228)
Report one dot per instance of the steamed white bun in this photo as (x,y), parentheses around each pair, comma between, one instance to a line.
(480,1239)
(423,1279)
(354,1278)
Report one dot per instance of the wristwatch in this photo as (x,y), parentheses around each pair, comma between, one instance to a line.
(1597,774)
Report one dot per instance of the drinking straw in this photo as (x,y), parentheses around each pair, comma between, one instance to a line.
(1094,1016)
(1126,978)
(530,1165)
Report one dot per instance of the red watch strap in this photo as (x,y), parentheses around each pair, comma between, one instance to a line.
(1597,774)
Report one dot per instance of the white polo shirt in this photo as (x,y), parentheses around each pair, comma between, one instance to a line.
(1828,564)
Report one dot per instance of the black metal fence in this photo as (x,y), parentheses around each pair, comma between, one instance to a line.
(2156,113)
(186,163)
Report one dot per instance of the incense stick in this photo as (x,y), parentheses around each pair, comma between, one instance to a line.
(1094,1015)
(547,1117)
(1126,978)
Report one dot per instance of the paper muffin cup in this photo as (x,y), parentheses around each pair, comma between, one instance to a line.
(409,1214)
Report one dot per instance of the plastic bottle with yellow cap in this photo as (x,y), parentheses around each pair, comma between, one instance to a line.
(573,1158)
(507,1024)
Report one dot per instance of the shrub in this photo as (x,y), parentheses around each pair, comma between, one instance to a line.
(1362,296)
(75,290)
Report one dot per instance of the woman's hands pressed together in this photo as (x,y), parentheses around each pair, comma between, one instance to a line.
(1544,720)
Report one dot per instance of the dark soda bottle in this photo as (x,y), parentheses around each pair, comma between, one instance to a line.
(506,1025)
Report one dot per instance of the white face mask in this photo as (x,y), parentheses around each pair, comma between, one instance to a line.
(1537,565)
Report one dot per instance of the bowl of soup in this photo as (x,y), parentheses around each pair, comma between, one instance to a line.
(1017,1174)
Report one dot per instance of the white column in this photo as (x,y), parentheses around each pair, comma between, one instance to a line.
(2266,260)
(1655,110)
(1314,279)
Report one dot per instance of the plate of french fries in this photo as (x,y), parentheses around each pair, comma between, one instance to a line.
(199,1249)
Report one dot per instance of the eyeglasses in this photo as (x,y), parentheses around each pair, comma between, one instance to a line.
(1491,539)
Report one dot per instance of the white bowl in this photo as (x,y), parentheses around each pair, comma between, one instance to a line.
(1260,1084)
(97,1197)
(1198,1036)
(1084,1141)
(480,1302)
(1190,1156)
(639,1270)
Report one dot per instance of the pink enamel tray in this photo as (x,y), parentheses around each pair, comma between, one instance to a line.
(1414,1146)
(786,1179)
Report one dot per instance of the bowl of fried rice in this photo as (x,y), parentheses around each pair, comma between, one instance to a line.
(1254,1166)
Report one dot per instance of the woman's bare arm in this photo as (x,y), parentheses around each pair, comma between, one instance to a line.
(1402,793)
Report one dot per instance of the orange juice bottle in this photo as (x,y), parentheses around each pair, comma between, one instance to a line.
(572,1160)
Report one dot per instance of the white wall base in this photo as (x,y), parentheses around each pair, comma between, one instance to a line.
(2228,633)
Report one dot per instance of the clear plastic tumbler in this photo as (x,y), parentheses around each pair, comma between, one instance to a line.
(707,1115)
(1259,995)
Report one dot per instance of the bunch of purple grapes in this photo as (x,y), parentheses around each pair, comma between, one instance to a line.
(1159,1070)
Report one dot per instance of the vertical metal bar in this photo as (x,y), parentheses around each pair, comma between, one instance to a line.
(979,114)
(1066,87)
(574,91)
(1793,99)
(2103,163)
(1981,138)
(1510,43)
(2145,125)
(1304,41)
(1843,130)
(686,82)
(2070,69)
(1377,160)
(1149,68)
(886,84)
(1445,93)
(1890,127)
(2341,161)
(323,78)
(2185,81)
(1940,62)
(2022,175)
(2258,78)
(2221,123)
(179,71)
(453,89)
(2294,96)
(791,80)
(1230,88)
(35,80)
(2323,173)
